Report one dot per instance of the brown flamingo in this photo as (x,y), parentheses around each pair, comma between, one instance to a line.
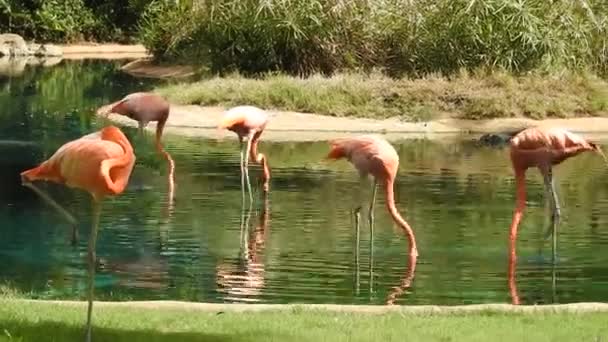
(99,163)
(542,147)
(143,108)
(373,155)
(248,122)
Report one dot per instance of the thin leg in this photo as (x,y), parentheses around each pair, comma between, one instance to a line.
(357,215)
(555,211)
(69,218)
(91,259)
(247,167)
(140,126)
(242,172)
(371,236)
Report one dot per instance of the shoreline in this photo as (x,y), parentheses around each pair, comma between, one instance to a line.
(346,308)
(198,121)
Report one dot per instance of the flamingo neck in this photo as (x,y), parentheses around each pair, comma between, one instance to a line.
(260,159)
(390,204)
(124,162)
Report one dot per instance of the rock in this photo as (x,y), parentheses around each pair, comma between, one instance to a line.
(497,139)
(15,43)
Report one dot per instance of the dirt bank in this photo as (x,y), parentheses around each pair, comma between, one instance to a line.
(292,126)
(371,309)
(103,51)
(144,67)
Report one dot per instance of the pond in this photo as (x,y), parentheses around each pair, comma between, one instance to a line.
(299,246)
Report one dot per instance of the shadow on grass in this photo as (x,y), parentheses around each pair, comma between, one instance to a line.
(11,330)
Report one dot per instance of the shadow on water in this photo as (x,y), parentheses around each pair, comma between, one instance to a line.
(458,197)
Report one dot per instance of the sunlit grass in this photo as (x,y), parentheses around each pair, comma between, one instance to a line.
(38,321)
(468,95)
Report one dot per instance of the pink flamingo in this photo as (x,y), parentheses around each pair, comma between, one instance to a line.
(248,122)
(542,147)
(143,108)
(374,155)
(99,163)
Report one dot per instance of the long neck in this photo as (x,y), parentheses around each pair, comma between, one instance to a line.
(261,159)
(390,204)
(512,280)
(116,171)
(159,147)
(520,206)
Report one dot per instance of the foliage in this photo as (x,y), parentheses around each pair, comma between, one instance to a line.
(398,36)
(71,20)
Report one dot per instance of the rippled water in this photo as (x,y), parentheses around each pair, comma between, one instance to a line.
(299,246)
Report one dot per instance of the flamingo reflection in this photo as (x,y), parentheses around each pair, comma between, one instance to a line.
(512,279)
(408,277)
(247,278)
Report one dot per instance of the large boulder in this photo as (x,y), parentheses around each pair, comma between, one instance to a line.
(14,44)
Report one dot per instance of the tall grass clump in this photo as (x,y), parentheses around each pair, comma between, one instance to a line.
(400,37)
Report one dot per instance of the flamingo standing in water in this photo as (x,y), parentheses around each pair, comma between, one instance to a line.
(99,163)
(143,108)
(542,147)
(374,155)
(248,122)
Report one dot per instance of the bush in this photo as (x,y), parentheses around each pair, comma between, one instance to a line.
(402,37)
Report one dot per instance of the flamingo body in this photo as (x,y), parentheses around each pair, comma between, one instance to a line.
(99,163)
(542,147)
(142,107)
(373,155)
(243,120)
(248,122)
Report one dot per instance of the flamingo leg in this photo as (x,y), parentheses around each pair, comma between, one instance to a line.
(371,235)
(242,173)
(247,166)
(140,126)
(357,215)
(57,207)
(555,211)
(91,261)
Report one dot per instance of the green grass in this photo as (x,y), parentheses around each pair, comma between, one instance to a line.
(467,95)
(36,321)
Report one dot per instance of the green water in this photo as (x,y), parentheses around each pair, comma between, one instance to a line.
(457,196)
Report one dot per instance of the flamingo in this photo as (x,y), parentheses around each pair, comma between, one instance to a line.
(143,108)
(542,147)
(248,122)
(99,163)
(373,155)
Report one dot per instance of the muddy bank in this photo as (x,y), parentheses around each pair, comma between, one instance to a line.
(370,309)
(291,126)
(144,67)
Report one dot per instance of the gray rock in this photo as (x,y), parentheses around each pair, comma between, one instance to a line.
(15,43)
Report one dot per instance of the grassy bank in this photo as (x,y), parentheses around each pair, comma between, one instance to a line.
(38,321)
(466,96)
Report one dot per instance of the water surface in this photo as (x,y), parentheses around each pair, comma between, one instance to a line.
(299,246)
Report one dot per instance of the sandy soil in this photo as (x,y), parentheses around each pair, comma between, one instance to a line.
(292,126)
(103,51)
(371,309)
